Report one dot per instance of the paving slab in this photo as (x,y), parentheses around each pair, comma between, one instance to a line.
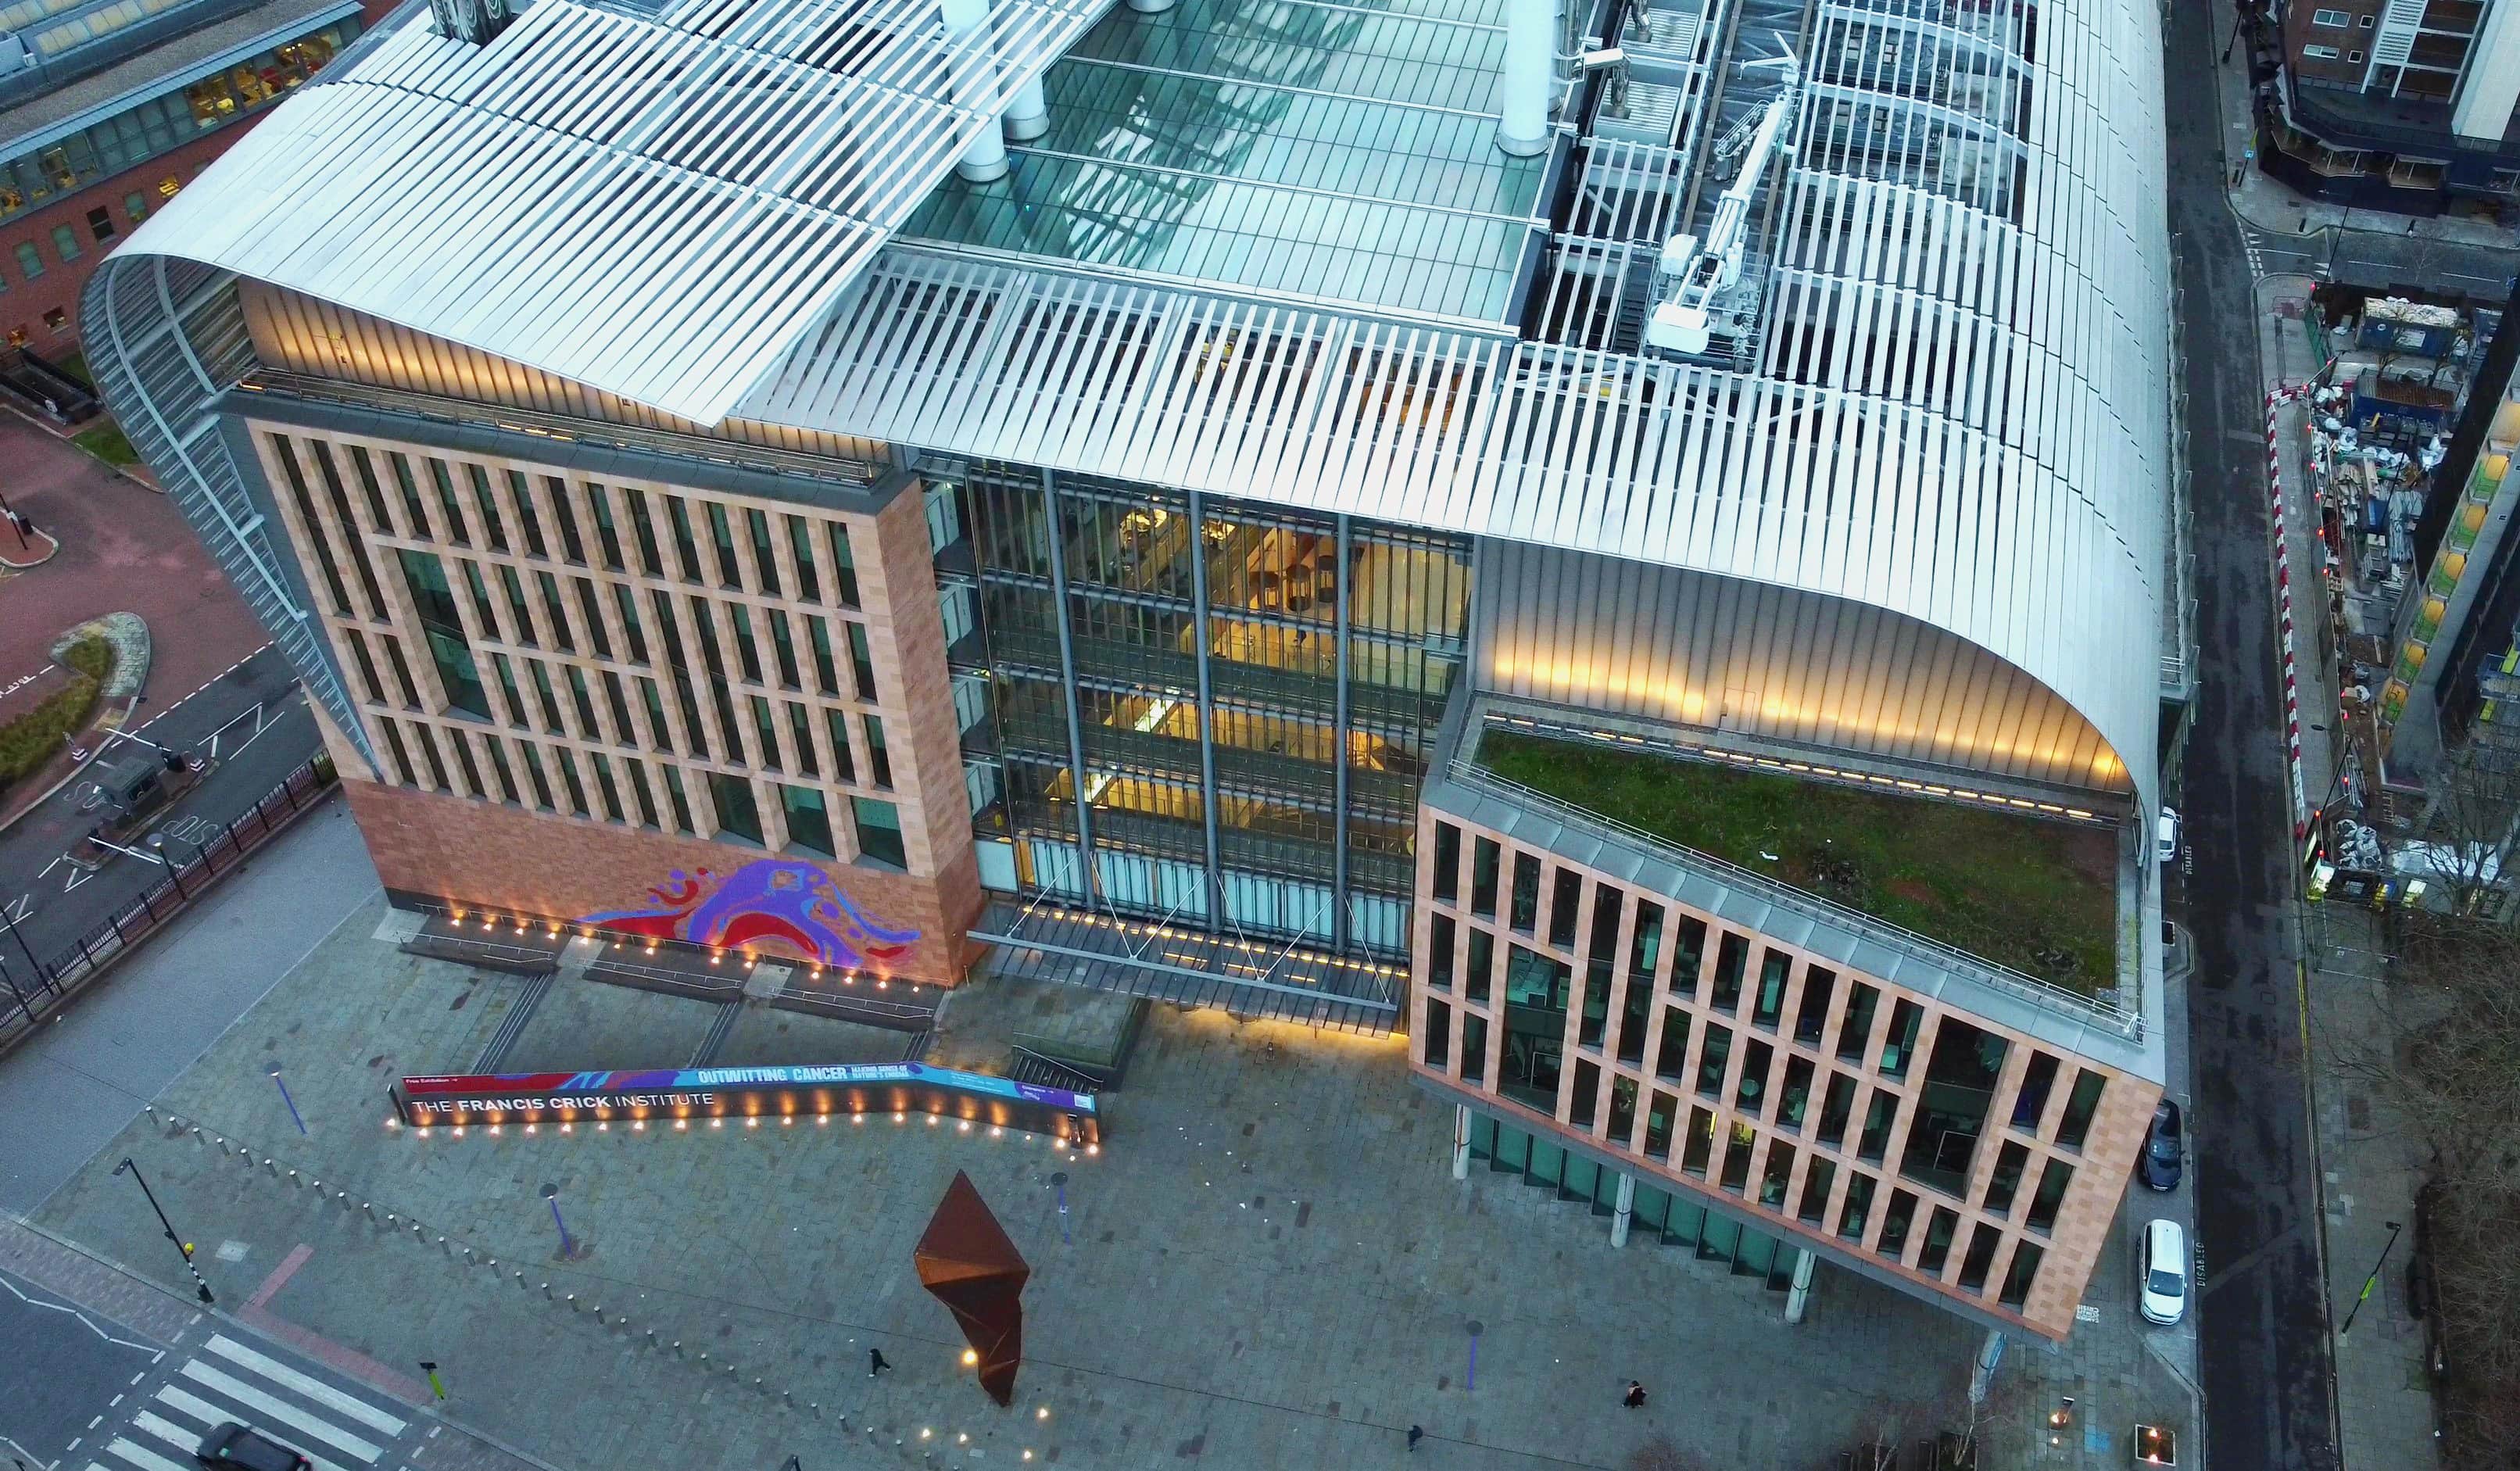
(774,1037)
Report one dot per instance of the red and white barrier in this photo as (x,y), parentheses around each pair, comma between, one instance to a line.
(2276,398)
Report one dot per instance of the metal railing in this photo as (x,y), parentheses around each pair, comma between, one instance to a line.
(33,990)
(2045,995)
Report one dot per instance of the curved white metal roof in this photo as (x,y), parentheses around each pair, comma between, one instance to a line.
(658,208)
(1960,406)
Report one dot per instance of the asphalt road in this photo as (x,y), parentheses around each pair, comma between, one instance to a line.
(2383,257)
(2267,1373)
(50,1397)
(254,724)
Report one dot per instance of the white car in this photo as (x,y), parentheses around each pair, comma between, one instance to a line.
(2165,839)
(2163,1284)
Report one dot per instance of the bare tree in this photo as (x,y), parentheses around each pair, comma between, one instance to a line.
(2470,804)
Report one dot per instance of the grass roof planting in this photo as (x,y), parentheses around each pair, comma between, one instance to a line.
(2035,894)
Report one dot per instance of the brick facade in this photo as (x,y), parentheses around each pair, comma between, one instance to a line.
(2069,1246)
(502,859)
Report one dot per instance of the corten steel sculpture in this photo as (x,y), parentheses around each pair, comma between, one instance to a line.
(966,1261)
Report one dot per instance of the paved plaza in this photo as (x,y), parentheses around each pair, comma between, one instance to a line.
(1268,1264)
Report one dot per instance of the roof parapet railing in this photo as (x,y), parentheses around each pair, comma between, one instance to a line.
(2045,995)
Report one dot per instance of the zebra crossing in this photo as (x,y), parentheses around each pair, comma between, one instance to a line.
(226,1380)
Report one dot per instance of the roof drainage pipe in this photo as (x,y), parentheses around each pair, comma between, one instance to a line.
(1530,59)
(975,86)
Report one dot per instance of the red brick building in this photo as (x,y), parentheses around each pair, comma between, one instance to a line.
(106,114)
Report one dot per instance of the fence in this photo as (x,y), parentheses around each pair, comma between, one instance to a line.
(26,1002)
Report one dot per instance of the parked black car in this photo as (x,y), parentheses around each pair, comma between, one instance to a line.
(2164,1148)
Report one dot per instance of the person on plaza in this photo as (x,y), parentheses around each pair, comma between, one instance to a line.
(876,1363)
(1635,1398)
(1417,1433)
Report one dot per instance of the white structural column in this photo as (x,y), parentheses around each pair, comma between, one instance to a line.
(2490,88)
(1150,7)
(1626,1212)
(1461,1142)
(1530,60)
(1798,1300)
(975,86)
(1028,115)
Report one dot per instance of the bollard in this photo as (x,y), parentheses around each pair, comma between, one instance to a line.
(545,1292)
(703,1356)
(678,1348)
(572,1302)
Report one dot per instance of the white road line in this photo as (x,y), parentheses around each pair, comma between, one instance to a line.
(209,1416)
(214,679)
(312,1388)
(145,1460)
(175,1434)
(281,1410)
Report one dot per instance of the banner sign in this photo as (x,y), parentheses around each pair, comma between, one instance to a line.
(715,1093)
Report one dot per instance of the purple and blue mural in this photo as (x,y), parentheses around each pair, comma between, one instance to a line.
(770,904)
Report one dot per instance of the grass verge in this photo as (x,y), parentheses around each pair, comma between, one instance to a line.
(29,740)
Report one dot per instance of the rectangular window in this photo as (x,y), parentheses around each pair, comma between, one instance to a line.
(1836,1109)
(456,530)
(531,523)
(1874,1142)
(801,731)
(604,788)
(844,565)
(1900,1047)
(594,610)
(1777,1175)
(443,628)
(765,732)
(1662,1116)
(1737,1159)
(1979,1258)
(1940,1229)
(2030,1105)
(1623,1110)
(747,654)
(800,540)
(722,540)
(1819,1177)
(764,558)
(508,684)
(576,788)
(1855,1029)
(1671,1056)
(2019,1277)
(572,545)
(1731,959)
(30,264)
(2051,1195)
(1750,1096)
(783,644)
(1475,977)
(827,673)
(1895,1221)
(737,812)
(1768,1012)
(809,820)
(1526,892)
(879,756)
(2320,52)
(66,241)
(844,765)
(686,550)
(2009,1163)
(559,615)
(99,223)
(436,764)
(1474,1047)
(2329,17)
(608,536)
(627,604)
(862,661)
(499,766)
(487,501)
(878,825)
(1439,1030)
(661,734)
(402,671)
(1699,1147)
(136,205)
(1713,1054)
(682,804)
(1483,878)
(639,789)
(534,773)
(1441,938)
(1795,1100)
(1858,1212)
(1586,1102)
(1565,902)
(644,526)
(1448,863)
(2080,1106)
(1810,1015)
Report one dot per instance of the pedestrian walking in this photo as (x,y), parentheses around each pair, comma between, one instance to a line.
(1635,1398)
(875,1362)
(1417,1433)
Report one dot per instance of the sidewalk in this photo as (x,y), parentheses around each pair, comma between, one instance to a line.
(2368,1175)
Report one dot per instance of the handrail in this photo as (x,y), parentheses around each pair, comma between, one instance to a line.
(2045,995)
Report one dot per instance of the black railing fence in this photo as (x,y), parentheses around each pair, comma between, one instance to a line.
(33,987)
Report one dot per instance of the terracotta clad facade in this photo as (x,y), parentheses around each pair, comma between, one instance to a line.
(1684,1122)
(663,679)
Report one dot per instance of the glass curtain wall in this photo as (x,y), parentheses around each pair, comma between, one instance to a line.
(1209,739)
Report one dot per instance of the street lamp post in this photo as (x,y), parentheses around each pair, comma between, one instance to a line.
(200,1288)
(2369,1282)
(10,922)
(294,1116)
(567,1248)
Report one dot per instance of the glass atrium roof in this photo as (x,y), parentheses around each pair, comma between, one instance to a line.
(1339,153)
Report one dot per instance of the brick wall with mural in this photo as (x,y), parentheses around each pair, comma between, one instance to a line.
(433,846)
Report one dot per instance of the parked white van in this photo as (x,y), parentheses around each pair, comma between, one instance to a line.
(2164,1269)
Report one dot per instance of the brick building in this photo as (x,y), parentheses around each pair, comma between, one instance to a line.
(1092,490)
(108,108)
(2400,105)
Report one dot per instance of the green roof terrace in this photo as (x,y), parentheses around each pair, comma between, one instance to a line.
(2039,896)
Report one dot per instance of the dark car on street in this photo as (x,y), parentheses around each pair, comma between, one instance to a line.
(240,1447)
(2164,1148)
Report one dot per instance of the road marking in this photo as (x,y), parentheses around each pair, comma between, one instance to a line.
(78,875)
(212,1416)
(313,1389)
(213,680)
(36,1302)
(146,1460)
(20,909)
(281,1410)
